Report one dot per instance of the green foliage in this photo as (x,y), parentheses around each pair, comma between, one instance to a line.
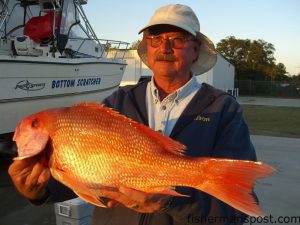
(281,72)
(253,60)
(296,78)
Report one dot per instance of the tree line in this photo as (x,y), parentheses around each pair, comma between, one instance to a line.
(253,59)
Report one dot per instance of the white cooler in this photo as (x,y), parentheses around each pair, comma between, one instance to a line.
(73,212)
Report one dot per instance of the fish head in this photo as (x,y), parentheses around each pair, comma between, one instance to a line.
(32,135)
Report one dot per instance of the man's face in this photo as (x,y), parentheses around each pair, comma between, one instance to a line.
(171,53)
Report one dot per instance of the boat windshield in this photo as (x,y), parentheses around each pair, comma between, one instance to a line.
(13,17)
(69,17)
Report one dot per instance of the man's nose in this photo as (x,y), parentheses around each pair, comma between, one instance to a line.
(166,46)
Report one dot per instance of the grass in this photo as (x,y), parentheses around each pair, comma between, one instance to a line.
(273,121)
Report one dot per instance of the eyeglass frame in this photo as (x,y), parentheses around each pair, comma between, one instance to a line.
(170,39)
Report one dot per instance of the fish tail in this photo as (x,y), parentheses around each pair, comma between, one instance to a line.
(232,181)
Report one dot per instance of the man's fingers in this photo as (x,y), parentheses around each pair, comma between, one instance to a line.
(112,195)
(135,195)
(133,199)
(44,177)
(108,194)
(118,197)
(20,165)
(33,177)
(113,204)
(160,198)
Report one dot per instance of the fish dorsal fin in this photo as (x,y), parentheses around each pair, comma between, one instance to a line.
(89,104)
(167,143)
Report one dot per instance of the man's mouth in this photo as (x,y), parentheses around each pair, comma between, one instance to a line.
(168,58)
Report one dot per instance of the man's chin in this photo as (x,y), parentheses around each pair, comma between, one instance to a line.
(165,74)
(164,69)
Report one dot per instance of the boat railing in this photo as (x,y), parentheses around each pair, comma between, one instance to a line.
(4,14)
(106,47)
(88,28)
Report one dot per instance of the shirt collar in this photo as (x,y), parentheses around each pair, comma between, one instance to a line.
(180,93)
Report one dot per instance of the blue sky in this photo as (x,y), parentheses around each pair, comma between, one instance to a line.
(274,21)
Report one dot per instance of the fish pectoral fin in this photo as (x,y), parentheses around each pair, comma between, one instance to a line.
(64,177)
(91,199)
(67,180)
(167,191)
(172,192)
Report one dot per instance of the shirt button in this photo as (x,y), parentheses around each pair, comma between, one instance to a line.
(164,107)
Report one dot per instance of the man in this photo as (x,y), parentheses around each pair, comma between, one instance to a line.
(208,121)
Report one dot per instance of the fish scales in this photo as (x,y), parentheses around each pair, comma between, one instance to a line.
(110,140)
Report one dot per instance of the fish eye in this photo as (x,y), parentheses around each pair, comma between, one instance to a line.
(34,123)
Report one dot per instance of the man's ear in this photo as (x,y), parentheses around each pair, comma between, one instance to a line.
(196,49)
(197,46)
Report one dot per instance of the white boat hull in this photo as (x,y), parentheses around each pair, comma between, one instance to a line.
(29,84)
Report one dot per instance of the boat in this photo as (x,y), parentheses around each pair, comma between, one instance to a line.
(51,57)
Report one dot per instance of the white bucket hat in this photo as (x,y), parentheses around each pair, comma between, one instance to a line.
(183,17)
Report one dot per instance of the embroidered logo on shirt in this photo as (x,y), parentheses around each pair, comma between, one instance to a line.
(202,118)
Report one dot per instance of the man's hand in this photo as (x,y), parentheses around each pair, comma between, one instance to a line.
(30,178)
(135,200)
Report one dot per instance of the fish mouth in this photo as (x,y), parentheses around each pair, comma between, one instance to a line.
(44,154)
(27,153)
(23,157)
